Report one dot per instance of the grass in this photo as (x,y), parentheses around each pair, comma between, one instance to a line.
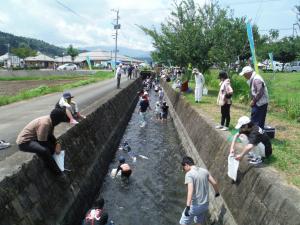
(284,95)
(42,90)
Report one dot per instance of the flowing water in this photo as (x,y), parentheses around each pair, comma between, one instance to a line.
(155,193)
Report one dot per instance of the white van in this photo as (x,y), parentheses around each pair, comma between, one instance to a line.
(277,66)
(295,66)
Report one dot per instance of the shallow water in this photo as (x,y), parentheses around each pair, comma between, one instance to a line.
(155,193)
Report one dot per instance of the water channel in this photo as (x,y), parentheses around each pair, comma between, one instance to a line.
(156,192)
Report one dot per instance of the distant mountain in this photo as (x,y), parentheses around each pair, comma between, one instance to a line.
(122,50)
(38,45)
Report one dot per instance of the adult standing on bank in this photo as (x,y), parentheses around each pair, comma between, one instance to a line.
(199,83)
(259,96)
(197,180)
(224,100)
(119,72)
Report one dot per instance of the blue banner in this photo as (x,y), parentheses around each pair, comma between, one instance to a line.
(89,62)
(252,48)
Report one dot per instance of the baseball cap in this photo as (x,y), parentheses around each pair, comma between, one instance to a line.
(246,69)
(242,121)
(195,70)
(67,95)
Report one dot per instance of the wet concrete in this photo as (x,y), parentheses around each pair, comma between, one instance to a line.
(155,193)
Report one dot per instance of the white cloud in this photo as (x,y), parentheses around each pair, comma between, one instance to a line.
(91,24)
(4,18)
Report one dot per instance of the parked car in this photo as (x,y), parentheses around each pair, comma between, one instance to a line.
(67,66)
(99,66)
(287,67)
(277,66)
(295,66)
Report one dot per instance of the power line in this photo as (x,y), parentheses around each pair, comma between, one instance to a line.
(69,9)
(252,2)
(276,29)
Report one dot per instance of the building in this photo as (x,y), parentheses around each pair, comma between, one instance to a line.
(39,61)
(9,60)
(105,58)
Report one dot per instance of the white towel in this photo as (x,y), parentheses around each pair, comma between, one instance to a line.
(60,160)
(233,166)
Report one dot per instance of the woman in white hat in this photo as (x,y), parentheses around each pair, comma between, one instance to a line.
(256,141)
(199,83)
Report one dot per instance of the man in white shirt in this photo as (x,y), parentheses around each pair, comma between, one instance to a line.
(119,72)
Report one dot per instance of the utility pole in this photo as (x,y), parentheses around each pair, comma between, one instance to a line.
(295,29)
(8,57)
(117,26)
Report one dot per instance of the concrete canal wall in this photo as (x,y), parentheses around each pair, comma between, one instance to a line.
(259,197)
(31,195)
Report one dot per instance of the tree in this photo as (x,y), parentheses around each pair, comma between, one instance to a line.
(202,36)
(73,52)
(23,52)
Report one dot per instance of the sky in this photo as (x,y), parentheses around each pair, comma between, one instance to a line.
(85,23)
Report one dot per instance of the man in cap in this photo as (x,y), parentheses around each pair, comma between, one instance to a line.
(199,83)
(197,180)
(255,136)
(38,137)
(119,72)
(70,107)
(259,96)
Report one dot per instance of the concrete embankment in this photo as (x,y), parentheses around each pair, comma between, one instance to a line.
(31,195)
(259,197)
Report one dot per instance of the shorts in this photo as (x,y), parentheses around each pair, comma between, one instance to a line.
(197,213)
(164,115)
(126,173)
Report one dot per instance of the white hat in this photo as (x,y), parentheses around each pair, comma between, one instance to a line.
(195,70)
(242,121)
(246,69)
(145,93)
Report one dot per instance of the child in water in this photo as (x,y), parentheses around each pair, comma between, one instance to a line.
(157,111)
(124,167)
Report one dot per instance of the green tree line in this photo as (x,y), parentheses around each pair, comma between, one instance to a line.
(27,45)
(211,35)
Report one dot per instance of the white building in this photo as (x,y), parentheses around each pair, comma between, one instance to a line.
(39,61)
(10,60)
(96,57)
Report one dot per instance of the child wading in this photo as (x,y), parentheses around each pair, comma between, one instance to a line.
(224,100)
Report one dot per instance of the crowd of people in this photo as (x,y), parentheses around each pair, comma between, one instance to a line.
(132,71)
(38,136)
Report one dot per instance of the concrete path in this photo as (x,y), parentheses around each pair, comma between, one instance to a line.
(15,116)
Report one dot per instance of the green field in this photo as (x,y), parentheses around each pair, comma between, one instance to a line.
(79,80)
(284,90)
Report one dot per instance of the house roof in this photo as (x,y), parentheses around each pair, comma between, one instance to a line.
(6,56)
(40,57)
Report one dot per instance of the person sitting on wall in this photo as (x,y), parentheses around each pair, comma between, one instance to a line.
(70,107)
(124,167)
(255,136)
(38,137)
(96,216)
